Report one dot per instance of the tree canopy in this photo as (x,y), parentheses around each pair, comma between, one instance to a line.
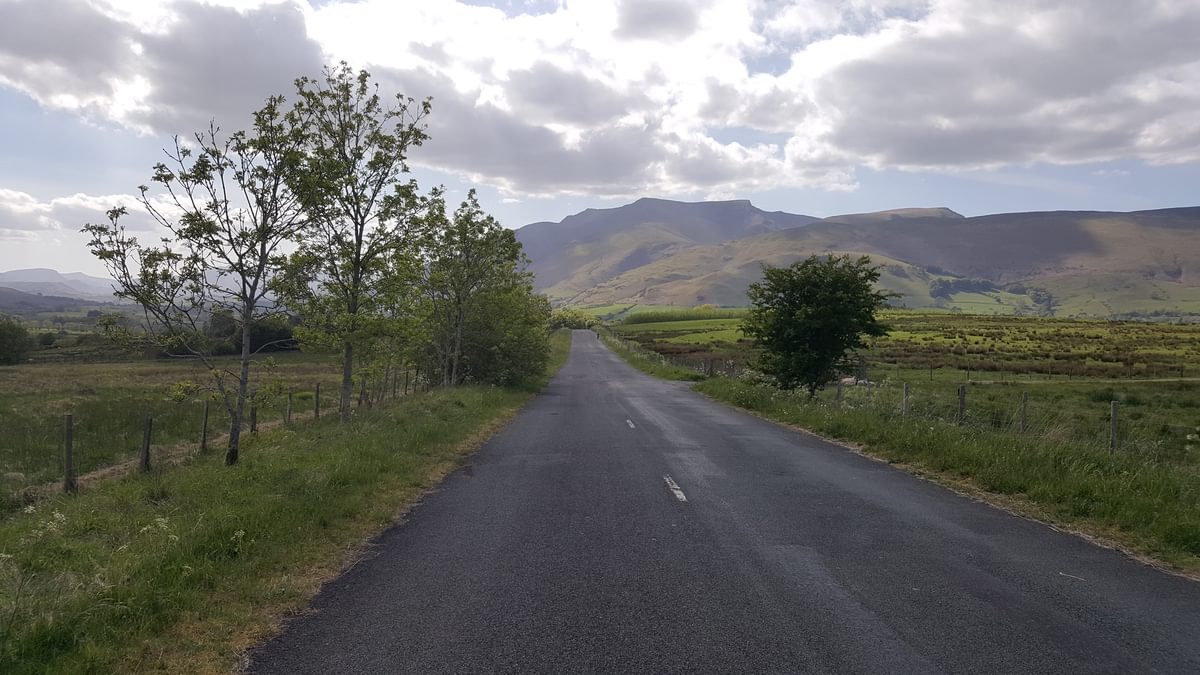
(810,317)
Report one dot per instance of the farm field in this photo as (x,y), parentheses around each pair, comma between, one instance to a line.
(109,402)
(1067,371)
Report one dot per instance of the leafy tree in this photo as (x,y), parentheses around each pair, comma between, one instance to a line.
(809,318)
(14,341)
(571,318)
(230,209)
(482,313)
(361,215)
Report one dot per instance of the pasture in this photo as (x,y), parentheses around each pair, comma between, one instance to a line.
(110,401)
(1063,373)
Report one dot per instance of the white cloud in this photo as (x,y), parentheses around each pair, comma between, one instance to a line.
(623,97)
(23,212)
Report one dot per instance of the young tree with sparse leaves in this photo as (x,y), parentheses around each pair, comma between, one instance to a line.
(810,317)
(228,211)
(361,215)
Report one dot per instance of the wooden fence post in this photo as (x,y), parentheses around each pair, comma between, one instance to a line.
(317,403)
(904,401)
(144,460)
(287,415)
(1112,426)
(204,430)
(254,418)
(1024,412)
(962,403)
(839,392)
(69,455)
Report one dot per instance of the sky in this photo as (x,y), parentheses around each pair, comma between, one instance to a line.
(549,107)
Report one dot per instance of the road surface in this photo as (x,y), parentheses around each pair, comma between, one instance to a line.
(621,523)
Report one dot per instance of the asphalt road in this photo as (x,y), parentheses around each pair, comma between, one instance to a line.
(625,524)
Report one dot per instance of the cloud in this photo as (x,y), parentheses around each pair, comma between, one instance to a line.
(23,212)
(64,53)
(1064,84)
(548,93)
(622,97)
(219,63)
(657,19)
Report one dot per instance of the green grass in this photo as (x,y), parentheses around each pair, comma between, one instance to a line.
(617,311)
(178,570)
(694,314)
(109,402)
(647,362)
(1147,504)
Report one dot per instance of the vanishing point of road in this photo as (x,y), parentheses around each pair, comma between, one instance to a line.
(625,524)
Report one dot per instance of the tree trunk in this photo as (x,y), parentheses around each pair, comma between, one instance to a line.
(347,392)
(456,354)
(235,422)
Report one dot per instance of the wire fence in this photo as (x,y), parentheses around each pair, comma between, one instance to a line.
(1156,419)
(42,450)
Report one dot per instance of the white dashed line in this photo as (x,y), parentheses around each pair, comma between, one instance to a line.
(675,488)
(630,423)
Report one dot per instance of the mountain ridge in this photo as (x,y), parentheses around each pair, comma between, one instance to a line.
(1090,262)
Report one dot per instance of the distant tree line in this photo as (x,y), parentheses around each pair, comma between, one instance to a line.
(944,288)
(307,230)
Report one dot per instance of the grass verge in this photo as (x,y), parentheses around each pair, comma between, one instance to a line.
(1122,499)
(647,362)
(181,570)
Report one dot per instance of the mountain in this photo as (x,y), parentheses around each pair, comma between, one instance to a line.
(20,303)
(1066,262)
(588,248)
(50,282)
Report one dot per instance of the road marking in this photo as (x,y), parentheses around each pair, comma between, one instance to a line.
(630,423)
(675,488)
(1072,576)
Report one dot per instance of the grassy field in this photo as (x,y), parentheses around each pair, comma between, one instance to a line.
(180,570)
(1037,394)
(110,401)
(997,344)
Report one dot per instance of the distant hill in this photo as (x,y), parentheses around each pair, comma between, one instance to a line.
(50,282)
(1064,262)
(17,302)
(590,247)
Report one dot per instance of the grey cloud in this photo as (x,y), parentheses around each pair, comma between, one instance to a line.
(993,94)
(481,139)
(657,19)
(776,110)
(556,95)
(56,46)
(219,63)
